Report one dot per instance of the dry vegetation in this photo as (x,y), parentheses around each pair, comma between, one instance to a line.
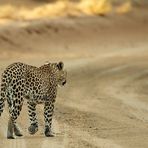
(62,8)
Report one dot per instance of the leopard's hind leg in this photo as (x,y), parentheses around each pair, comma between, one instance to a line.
(17,130)
(10,130)
(13,130)
(14,111)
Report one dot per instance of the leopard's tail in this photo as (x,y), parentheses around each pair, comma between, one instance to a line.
(1,105)
(2,96)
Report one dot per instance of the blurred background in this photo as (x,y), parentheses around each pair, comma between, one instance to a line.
(34,9)
(34,25)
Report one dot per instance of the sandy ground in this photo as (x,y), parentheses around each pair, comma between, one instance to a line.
(104,104)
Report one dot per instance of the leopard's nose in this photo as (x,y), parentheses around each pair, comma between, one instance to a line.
(64,82)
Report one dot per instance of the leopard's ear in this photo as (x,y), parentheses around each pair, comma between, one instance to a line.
(60,65)
(47,62)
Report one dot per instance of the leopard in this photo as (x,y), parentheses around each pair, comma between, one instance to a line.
(36,85)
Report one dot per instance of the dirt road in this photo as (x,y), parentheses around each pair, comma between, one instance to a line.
(104,104)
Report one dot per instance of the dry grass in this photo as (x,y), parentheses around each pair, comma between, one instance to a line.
(63,8)
(95,7)
(125,8)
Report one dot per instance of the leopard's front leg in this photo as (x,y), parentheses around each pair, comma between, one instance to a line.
(33,128)
(48,114)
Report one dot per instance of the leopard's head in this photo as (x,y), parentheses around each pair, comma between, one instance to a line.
(61,74)
(57,71)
